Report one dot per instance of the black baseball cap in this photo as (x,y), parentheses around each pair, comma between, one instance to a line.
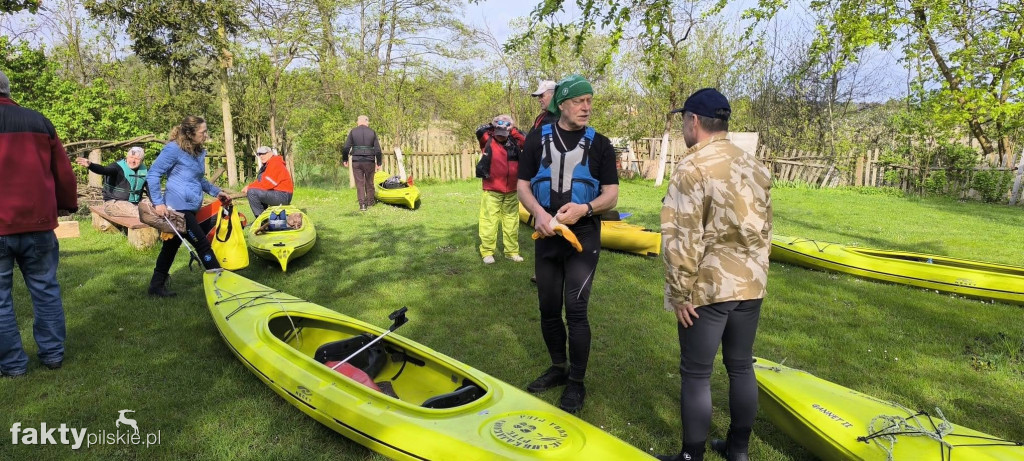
(707,102)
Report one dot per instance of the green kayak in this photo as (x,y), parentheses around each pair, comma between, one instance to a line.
(973,279)
(404,194)
(281,246)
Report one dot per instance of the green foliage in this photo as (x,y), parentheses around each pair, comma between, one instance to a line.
(936,182)
(14,6)
(93,111)
(180,36)
(992,185)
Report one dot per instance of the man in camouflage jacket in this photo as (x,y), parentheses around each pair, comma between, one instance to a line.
(716,225)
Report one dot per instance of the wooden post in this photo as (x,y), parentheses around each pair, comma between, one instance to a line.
(401,164)
(858,175)
(1015,194)
(351,174)
(95,180)
(661,160)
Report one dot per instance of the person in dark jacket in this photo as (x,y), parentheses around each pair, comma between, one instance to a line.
(123,182)
(544,92)
(38,181)
(364,147)
(182,161)
(501,144)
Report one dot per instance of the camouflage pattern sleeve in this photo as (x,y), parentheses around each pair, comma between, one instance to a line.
(682,229)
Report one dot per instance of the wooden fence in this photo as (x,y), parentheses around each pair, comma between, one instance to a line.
(454,162)
(438,166)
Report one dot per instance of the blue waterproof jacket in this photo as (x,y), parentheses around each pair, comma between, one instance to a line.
(186,179)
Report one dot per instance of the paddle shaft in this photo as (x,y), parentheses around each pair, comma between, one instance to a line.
(190,249)
(361,349)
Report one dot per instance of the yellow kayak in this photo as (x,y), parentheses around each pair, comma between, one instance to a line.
(281,246)
(400,398)
(968,278)
(834,422)
(407,195)
(619,235)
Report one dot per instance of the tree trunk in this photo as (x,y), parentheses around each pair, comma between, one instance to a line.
(272,109)
(225,109)
(328,54)
(391,34)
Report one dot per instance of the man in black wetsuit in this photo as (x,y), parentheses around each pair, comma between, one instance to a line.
(567,176)
(363,145)
(123,181)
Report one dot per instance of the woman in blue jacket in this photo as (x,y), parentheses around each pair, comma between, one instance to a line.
(182,161)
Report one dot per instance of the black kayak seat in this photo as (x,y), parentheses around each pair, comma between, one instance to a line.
(461,396)
(371,361)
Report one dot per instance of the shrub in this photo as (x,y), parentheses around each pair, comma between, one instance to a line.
(992,185)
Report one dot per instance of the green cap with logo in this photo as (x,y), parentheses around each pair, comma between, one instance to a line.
(570,87)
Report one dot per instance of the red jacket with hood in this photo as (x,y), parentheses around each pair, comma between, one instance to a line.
(38,179)
(274,175)
(504,172)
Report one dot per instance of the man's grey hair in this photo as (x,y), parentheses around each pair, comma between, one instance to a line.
(708,124)
(363,120)
(136,151)
(5,85)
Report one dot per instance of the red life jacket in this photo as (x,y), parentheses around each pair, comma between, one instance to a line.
(504,173)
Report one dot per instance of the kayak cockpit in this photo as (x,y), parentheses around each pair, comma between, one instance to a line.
(386,366)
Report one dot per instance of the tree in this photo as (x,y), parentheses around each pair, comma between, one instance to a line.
(976,47)
(14,6)
(187,39)
(78,112)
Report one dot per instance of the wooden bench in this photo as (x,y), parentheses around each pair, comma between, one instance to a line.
(140,235)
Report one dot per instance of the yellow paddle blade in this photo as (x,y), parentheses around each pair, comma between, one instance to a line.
(567,234)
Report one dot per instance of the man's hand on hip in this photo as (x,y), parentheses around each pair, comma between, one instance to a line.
(686,313)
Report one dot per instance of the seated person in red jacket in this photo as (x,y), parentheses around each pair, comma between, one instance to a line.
(273,184)
(123,181)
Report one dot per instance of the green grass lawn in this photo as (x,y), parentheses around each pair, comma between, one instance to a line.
(165,360)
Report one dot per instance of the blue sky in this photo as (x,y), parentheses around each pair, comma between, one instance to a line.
(882,65)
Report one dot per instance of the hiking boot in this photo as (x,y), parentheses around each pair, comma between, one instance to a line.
(533,278)
(158,285)
(54,365)
(572,397)
(515,258)
(734,447)
(693,452)
(489,259)
(362,207)
(552,377)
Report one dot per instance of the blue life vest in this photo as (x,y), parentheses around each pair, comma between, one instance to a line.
(278,221)
(564,177)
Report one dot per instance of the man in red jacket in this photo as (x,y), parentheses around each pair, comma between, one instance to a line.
(501,143)
(273,184)
(38,181)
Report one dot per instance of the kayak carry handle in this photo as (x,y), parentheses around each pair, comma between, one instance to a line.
(399,317)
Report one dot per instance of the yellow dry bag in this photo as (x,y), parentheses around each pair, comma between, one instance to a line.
(229,241)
